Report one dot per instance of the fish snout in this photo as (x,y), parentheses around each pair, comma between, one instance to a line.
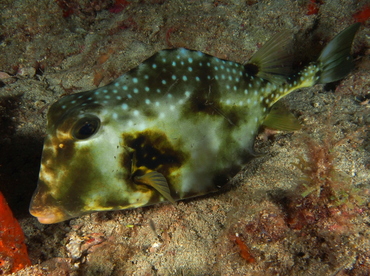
(46,208)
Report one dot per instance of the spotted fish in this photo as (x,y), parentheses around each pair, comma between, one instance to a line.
(179,125)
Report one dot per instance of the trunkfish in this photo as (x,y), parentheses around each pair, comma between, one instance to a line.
(179,125)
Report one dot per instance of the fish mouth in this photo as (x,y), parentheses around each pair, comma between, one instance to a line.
(49,215)
(45,207)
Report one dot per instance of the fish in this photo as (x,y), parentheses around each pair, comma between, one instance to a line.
(181,124)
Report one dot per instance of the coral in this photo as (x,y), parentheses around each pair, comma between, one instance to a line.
(13,251)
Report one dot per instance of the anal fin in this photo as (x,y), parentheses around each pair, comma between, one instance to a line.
(280,118)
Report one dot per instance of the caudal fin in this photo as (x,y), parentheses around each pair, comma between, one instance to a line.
(336,61)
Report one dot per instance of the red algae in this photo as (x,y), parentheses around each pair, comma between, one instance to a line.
(13,251)
(363,15)
(244,250)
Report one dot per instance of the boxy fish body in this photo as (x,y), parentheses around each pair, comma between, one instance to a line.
(179,125)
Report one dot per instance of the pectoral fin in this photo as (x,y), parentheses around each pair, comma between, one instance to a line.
(157,181)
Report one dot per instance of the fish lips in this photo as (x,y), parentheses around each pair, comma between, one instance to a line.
(46,208)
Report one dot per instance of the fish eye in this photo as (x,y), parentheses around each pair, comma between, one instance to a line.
(86,127)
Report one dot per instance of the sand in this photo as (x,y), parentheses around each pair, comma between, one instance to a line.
(277,216)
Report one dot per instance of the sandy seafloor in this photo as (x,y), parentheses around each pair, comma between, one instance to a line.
(51,52)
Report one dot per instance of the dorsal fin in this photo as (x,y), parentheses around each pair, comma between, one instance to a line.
(273,61)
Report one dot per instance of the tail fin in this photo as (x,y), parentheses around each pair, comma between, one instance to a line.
(335,58)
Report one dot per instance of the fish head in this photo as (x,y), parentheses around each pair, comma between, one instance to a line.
(84,166)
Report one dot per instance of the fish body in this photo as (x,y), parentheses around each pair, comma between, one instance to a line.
(179,125)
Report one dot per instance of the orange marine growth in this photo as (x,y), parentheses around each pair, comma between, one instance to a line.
(13,251)
(244,250)
(363,14)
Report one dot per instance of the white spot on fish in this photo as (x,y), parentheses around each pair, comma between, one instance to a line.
(124,106)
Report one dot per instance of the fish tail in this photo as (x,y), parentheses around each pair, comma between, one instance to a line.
(335,59)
